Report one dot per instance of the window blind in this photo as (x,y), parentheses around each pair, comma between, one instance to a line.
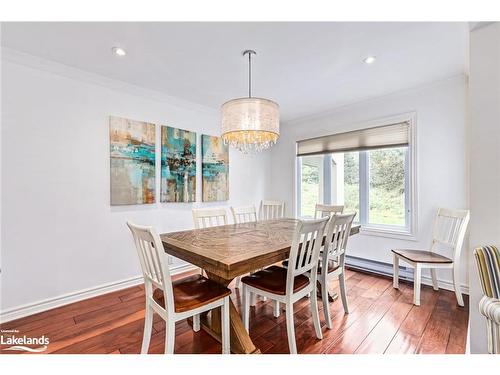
(394,135)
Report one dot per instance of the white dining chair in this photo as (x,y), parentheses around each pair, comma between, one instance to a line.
(270,210)
(332,260)
(488,267)
(322,210)
(245,214)
(175,301)
(448,232)
(209,217)
(287,286)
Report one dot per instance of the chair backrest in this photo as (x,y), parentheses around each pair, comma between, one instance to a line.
(244,214)
(209,217)
(270,210)
(488,266)
(322,210)
(449,230)
(337,231)
(154,263)
(304,252)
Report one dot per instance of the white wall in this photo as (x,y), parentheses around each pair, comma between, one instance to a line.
(59,233)
(484,151)
(441,159)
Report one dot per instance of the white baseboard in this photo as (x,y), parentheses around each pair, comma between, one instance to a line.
(65,299)
(405,273)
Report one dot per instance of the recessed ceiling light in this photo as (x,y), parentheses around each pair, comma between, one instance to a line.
(369,60)
(118,51)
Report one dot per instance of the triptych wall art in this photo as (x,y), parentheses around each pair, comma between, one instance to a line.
(133,164)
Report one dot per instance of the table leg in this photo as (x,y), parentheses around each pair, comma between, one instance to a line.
(241,343)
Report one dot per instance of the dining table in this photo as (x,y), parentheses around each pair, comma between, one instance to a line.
(228,251)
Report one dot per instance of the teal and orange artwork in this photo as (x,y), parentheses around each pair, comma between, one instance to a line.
(132,154)
(178,165)
(215,169)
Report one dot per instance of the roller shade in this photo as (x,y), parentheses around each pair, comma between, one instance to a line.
(395,135)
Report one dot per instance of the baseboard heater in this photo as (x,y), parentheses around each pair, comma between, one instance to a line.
(379,268)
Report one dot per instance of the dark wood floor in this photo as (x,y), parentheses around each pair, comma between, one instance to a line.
(381,320)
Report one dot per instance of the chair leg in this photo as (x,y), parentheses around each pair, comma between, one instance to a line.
(315,314)
(253,299)
(395,276)
(238,282)
(434,279)
(290,329)
(326,303)
(169,336)
(196,322)
(417,273)
(246,307)
(226,347)
(343,293)
(456,285)
(148,325)
(276,312)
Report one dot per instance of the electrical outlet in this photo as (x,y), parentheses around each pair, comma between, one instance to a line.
(170,260)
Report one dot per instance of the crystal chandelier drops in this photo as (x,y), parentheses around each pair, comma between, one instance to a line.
(250,124)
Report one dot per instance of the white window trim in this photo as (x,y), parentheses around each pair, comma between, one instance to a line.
(411,180)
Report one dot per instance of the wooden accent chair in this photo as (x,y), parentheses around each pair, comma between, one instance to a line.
(209,217)
(332,260)
(174,301)
(241,215)
(289,285)
(488,266)
(449,231)
(270,210)
(246,214)
(322,210)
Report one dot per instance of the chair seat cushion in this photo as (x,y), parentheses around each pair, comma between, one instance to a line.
(273,280)
(421,256)
(192,292)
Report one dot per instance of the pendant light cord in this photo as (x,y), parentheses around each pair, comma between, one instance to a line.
(249,75)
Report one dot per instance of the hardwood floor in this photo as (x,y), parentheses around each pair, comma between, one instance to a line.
(381,320)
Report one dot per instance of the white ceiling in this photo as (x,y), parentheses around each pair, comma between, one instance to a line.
(306,67)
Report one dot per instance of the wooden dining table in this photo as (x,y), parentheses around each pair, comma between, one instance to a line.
(228,251)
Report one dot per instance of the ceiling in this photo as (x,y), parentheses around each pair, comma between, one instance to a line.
(306,67)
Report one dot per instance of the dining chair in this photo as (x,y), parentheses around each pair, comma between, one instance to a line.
(332,260)
(245,214)
(287,286)
(321,210)
(270,210)
(488,266)
(448,232)
(209,217)
(178,300)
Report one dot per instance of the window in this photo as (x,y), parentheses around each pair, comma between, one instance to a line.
(374,183)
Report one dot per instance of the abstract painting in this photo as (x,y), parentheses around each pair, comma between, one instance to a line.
(132,150)
(178,165)
(215,169)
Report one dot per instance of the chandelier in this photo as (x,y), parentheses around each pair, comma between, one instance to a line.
(250,124)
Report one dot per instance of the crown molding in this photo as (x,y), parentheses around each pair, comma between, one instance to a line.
(31,61)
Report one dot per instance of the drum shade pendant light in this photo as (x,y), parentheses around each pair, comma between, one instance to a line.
(250,124)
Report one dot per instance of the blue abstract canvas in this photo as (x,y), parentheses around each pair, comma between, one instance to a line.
(178,165)
(215,169)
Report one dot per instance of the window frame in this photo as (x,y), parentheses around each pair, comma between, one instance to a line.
(410,231)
